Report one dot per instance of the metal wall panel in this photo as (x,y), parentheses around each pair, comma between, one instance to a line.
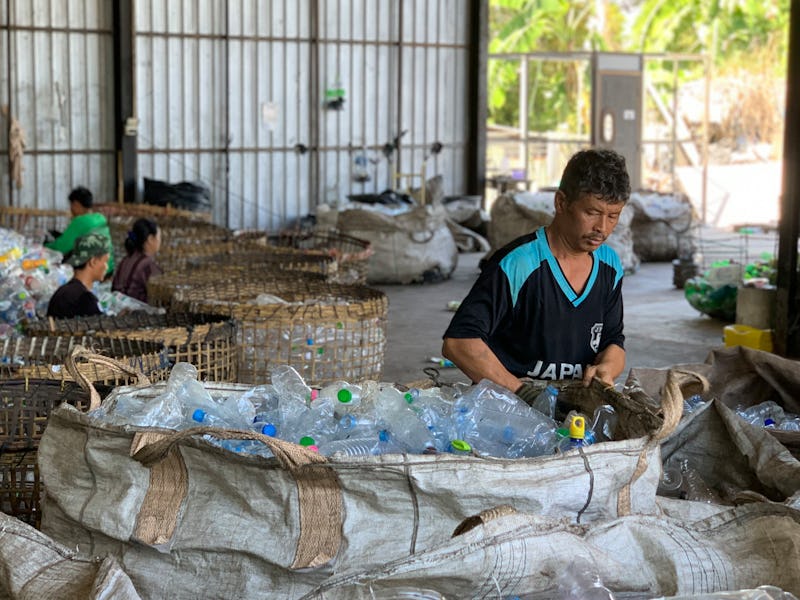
(56,75)
(231,92)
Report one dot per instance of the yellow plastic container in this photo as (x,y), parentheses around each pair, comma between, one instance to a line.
(744,335)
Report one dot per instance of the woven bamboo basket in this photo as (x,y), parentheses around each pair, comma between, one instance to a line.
(351,254)
(44,358)
(327,332)
(33,223)
(208,342)
(162,288)
(176,233)
(150,211)
(25,405)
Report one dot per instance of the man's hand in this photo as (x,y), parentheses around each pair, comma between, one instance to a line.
(609,365)
(598,371)
(528,393)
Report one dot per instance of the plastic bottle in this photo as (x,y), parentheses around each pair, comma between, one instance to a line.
(289,384)
(671,482)
(341,394)
(546,401)
(395,415)
(577,433)
(363,446)
(758,413)
(354,426)
(694,488)
(579,581)
(604,424)
(790,423)
(692,403)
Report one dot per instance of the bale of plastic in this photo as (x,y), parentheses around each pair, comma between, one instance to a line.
(166,501)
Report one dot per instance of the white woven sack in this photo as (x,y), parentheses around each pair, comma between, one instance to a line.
(172,502)
(410,247)
(34,567)
(502,554)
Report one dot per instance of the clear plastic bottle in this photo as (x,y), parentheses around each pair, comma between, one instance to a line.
(790,423)
(341,394)
(604,424)
(393,412)
(671,482)
(364,446)
(546,401)
(289,384)
(694,487)
(355,426)
(577,433)
(758,413)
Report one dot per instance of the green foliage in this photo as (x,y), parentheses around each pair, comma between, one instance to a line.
(737,34)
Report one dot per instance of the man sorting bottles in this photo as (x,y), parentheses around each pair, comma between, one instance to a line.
(548,305)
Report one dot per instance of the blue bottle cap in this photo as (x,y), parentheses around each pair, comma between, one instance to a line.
(269,429)
(199,415)
(768,422)
(383,435)
(551,389)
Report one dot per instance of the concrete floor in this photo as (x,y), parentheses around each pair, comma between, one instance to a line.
(661,328)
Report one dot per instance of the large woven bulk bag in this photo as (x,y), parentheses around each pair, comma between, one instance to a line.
(504,554)
(34,567)
(171,502)
(411,247)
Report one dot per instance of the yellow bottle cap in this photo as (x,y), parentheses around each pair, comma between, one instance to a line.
(577,428)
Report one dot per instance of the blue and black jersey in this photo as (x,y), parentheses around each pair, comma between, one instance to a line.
(525,310)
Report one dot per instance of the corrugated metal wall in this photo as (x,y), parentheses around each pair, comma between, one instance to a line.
(56,77)
(232,93)
(228,91)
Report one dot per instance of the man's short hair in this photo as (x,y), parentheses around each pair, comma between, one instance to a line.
(599,172)
(82,196)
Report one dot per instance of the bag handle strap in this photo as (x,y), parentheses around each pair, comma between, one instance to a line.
(672,410)
(82,354)
(318,489)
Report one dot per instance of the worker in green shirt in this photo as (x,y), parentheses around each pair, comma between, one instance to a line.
(84,221)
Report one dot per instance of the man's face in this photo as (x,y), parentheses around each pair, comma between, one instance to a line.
(99,266)
(589,220)
(76,208)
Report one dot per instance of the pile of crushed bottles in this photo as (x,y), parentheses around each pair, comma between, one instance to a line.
(29,274)
(364,420)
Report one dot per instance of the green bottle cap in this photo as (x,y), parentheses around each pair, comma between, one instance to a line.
(460,445)
(307,440)
(344,395)
(562,432)
(409,397)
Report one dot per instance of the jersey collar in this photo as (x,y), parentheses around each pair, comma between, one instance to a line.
(558,274)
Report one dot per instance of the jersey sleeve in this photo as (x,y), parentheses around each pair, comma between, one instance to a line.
(613,321)
(484,307)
